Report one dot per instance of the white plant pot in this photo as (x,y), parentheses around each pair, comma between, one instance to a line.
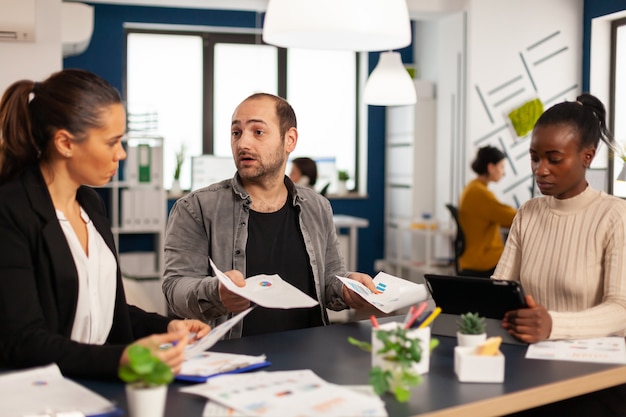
(175,190)
(470,340)
(146,402)
(342,188)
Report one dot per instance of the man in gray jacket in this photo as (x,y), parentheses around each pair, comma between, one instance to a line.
(258,222)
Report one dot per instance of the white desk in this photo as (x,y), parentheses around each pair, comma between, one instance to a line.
(352,224)
(425,231)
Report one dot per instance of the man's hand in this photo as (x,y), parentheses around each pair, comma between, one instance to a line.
(353,299)
(234,303)
(530,325)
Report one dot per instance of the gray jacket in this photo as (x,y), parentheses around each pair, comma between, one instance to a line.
(212,222)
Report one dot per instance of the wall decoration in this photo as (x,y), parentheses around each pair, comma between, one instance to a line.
(523,118)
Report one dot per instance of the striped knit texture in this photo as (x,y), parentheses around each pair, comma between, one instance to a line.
(570,256)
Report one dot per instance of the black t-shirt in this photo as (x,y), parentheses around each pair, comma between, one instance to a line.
(276,246)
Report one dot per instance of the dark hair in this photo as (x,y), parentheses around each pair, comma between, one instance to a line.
(485,156)
(586,115)
(31,113)
(284,111)
(308,167)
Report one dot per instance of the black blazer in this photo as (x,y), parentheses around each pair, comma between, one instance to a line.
(39,286)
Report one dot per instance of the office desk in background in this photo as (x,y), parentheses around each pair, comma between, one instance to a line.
(352,224)
(325,350)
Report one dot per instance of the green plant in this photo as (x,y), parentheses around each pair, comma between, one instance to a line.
(144,369)
(180,158)
(343,175)
(401,352)
(471,323)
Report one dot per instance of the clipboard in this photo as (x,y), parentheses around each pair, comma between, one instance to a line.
(490,298)
(204,378)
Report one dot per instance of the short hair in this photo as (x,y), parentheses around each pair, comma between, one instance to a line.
(284,111)
(485,156)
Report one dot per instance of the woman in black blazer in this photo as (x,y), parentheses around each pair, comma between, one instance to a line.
(61,293)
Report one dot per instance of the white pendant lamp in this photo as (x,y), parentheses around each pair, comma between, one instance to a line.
(390,83)
(354,25)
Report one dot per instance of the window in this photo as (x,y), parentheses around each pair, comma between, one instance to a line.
(194,81)
(618,89)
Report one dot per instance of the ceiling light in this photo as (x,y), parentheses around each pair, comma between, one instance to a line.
(390,83)
(354,25)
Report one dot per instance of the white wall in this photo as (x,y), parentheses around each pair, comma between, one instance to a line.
(34,60)
(517,51)
(492,57)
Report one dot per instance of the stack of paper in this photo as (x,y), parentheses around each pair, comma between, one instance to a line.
(44,391)
(395,293)
(287,394)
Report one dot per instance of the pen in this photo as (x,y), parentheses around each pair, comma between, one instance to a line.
(415,314)
(430,318)
(408,316)
(374,321)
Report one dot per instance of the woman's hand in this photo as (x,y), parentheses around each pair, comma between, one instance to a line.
(530,325)
(169,347)
(195,327)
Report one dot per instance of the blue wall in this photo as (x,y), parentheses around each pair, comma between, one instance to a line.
(105,56)
(593,9)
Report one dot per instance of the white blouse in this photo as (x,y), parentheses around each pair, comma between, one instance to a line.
(96,283)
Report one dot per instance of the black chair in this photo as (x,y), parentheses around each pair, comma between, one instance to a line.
(459,247)
(324,190)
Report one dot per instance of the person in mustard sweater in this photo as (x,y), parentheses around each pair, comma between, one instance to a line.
(481,215)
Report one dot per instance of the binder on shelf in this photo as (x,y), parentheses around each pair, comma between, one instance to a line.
(144,159)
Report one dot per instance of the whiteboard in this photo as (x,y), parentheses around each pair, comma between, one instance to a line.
(209,169)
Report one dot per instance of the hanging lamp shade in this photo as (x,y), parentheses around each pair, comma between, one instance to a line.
(354,25)
(390,83)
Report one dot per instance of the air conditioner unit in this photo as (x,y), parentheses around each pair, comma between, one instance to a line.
(17,20)
(76,27)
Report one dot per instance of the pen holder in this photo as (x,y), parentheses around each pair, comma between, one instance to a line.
(423,334)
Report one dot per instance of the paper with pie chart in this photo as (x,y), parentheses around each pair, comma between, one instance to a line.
(395,293)
(269,291)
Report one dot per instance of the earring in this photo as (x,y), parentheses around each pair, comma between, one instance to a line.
(67,154)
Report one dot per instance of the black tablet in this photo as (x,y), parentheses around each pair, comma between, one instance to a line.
(490,298)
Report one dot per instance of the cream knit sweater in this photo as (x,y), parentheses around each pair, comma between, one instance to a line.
(570,255)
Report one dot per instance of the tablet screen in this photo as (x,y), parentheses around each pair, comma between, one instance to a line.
(489,298)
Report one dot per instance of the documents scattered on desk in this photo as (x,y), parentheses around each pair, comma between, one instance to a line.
(210,364)
(601,350)
(214,335)
(287,394)
(268,291)
(396,293)
(43,391)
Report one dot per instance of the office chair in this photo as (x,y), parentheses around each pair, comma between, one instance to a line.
(459,247)
(324,190)
(458,244)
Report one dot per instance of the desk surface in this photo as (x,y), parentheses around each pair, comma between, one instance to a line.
(325,350)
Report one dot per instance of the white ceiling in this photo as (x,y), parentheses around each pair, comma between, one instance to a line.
(418,9)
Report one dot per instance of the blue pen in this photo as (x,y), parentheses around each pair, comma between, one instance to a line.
(421,319)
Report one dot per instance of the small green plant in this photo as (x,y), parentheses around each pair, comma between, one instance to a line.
(180,158)
(144,369)
(402,352)
(471,323)
(343,175)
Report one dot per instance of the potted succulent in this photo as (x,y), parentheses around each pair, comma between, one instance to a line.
(471,329)
(147,378)
(400,352)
